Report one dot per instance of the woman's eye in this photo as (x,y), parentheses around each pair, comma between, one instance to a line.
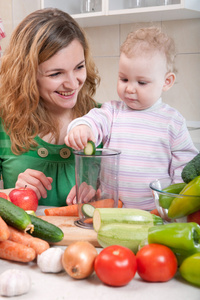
(81,66)
(54,74)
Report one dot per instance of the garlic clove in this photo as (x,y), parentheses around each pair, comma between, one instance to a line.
(50,261)
(14,282)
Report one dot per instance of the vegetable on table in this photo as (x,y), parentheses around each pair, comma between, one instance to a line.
(15,216)
(46,231)
(194,217)
(183,206)
(14,282)
(26,239)
(50,261)
(78,259)
(87,210)
(127,235)
(4,195)
(4,230)
(192,169)
(182,238)
(190,269)
(166,200)
(155,212)
(10,250)
(103,216)
(115,265)
(156,263)
(72,210)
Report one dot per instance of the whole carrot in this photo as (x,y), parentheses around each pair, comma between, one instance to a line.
(72,210)
(26,239)
(17,252)
(4,231)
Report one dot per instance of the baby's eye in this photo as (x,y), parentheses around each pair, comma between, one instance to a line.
(124,79)
(142,82)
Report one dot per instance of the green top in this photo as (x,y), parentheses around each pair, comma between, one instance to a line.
(56,161)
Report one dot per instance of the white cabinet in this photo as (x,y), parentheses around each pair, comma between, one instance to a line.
(110,12)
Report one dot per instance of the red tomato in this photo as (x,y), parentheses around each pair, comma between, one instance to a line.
(194,217)
(156,263)
(115,265)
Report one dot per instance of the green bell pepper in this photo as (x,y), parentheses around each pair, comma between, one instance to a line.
(166,200)
(190,269)
(183,206)
(182,238)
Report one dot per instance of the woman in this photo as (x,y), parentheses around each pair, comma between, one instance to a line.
(47,79)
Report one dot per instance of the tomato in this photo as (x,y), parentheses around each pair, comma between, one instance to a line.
(115,265)
(156,263)
(194,217)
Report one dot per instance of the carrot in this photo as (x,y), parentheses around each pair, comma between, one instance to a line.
(17,252)
(120,204)
(88,221)
(26,239)
(155,212)
(72,210)
(4,231)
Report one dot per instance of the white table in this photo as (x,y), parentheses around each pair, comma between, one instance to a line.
(60,286)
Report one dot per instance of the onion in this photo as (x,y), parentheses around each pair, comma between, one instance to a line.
(78,259)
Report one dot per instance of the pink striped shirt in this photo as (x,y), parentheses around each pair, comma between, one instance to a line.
(154,143)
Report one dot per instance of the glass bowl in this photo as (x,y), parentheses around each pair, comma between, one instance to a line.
(157,187)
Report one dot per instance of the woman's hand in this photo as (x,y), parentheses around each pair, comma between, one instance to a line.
(86,193)
(35,180)
(78,137)
(71,198)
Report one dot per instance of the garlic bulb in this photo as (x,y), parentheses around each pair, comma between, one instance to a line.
(50,261)
(14,282)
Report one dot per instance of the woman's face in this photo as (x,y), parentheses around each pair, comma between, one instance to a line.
(61,77)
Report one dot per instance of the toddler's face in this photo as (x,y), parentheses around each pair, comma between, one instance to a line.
(141,79)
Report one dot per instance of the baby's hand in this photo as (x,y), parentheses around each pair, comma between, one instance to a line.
(78,137)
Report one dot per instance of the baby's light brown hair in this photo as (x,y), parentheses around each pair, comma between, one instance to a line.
(148,40)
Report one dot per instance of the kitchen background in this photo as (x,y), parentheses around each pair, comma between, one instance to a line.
(105,41)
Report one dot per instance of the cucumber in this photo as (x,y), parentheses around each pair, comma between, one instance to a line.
(45,230)
(127,235)
(103,216)
(90,148)
(88,210)
(15,216)
(166,200)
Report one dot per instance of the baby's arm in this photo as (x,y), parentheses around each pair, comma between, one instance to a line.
(78,137)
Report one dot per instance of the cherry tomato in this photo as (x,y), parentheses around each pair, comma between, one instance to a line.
(156,263)
(194,217)
(115,265)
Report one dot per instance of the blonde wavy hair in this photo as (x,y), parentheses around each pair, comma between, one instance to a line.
(36,39)
(150,39)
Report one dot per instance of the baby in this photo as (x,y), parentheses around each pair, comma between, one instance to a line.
(152,136)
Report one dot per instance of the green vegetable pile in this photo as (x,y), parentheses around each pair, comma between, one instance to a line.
(191,170)
(181,206)
(182,238)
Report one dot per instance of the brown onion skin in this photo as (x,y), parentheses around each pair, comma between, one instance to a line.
(78,259)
